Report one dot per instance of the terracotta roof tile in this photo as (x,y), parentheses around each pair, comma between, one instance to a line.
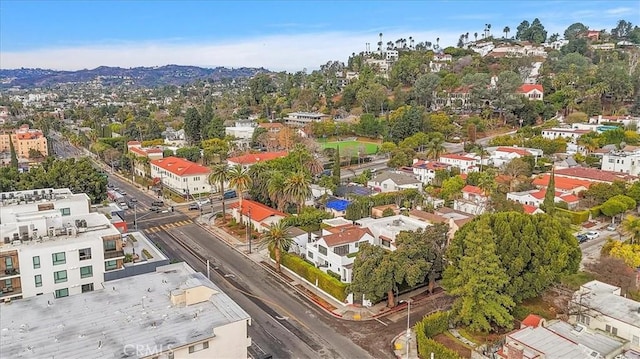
(593,174)
(472,189)
(346,235)
(259,212)
(526,88)
(180,166)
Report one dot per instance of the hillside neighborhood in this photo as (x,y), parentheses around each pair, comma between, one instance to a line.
(492,187)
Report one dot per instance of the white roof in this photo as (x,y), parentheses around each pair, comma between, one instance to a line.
(605,298)
(101,323)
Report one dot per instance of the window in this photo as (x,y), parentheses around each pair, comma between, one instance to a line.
(110,245)
(322,250)
(85,253)
(386,243)
(584,319)
(36,262)
(38,279)
(62,293)
(60,276)
(8,262)
(610,329)
(310,255)
(110,265)
(8,283)
(86,272)
(342,250)
(87,287)
(635,340)
(198,347)
(65,211)
(59,258)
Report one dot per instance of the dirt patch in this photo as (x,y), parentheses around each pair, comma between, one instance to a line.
(323,303)
(453,344)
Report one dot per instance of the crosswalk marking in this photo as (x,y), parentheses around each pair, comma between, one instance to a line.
(167,226)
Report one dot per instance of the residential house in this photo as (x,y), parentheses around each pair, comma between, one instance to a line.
(181,176)
(302,119)
(593,35)
(473,201)
(242,132)
(502,155)
(385,229)
(535,198)
(378,211)
(454,220)
(173,312)
(594,175)
(174,137)
(24,139)
(534,92)
(337,207)
(622,161)
(260,215)
(334,249)
(300,240)
(352,189)
(426,170)
(465,163)
(394,181)
(600,306)
(563,184)
(459,99)
(141,165)
(624,120)
(246,161)
(272,127)
(568,133)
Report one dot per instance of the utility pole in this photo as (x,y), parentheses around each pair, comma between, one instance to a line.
(249,230)
(135,216)
(408,301)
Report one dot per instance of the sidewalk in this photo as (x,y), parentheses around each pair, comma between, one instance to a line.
(327,303)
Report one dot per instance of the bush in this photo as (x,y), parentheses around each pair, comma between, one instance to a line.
(575,217)
(429,327)
(146,254)
(333,274)
(595,211)
(308,271)
(426,346)
(435,323)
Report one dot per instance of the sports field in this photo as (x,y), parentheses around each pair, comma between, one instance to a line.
(352,147)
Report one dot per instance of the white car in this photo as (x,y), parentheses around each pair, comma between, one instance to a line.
(592,234)
(203,202)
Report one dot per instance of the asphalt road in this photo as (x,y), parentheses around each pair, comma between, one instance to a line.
(591,249)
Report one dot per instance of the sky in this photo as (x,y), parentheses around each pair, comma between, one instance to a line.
(278,35)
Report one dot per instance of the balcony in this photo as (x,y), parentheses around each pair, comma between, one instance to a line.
(8,292)
(113,254)
(8,273)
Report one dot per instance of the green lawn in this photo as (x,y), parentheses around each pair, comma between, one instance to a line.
(352,147)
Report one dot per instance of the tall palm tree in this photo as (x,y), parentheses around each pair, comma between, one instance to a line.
(275,186)
(219,175)
(435,148)
(240,180)
(475,35)
(506,31)
(279,239)
(297,188)
(437,42)
(631,226)
(589,143)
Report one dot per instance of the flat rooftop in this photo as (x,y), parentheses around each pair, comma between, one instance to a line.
(606,299)
(603,344)
(548,342)
(135,243)
(135,310)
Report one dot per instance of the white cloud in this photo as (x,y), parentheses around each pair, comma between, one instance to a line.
(282,52)
(620,11)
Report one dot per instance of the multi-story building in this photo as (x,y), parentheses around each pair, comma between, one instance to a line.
(144,156)
(567,133)
(242,132)
(505,154)
(426,170)
(386,229)
(181,176)
(394,181)
(466,164)
(250,159)
(622,161)
(24,139)
(473,201)
(174,312)
(301,119)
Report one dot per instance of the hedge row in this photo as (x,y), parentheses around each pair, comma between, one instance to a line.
(327,283)
(429,327)
(575,217)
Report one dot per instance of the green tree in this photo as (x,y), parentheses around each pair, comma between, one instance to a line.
(476,278)
(335,172)
(218,177)
(193,125)
(631,226)
(374,271)
(451,188)
(190,153)
(215,150)
(549,203)
(575,30)
(240,180)
(297,188)
(277,238)
(424,88)
(14,156)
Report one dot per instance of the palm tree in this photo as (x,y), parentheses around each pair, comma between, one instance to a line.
(240,180)
(220,175)
(589,143)
(631,226)
(275,186)
(435,148)
(506,31)
(297,188)
(437,42)
(475,35)
(279,239)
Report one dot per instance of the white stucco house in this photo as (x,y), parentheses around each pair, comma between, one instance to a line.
(473,201)
(394,181)
(181,176)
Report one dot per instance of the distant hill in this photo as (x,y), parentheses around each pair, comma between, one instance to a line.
(115,76)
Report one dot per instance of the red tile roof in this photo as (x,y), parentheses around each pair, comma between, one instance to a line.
(562,183)
(180,166)
(526,88)
(454,156)
(593,174)
(516,150)
(346,235)
(431,165)
(253,158)
(259,212)
(570,198)
(528,209)
(133,143)
(532,320)
(472,189)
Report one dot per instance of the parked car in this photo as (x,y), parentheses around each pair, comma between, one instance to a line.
(194,207)
(203,202)
(612,228)
(133,199)
(157,203)
(123,205)
(122,192)
(230,194)
(592,234)
(155,209)
(582,238)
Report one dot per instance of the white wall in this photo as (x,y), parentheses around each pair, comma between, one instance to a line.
(194,184)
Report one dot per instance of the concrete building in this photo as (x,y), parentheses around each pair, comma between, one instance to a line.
(622,161)
(144,155)
(465,163)
(594,175)
(385,230)
(535,198)
(172,313)
(301,119)
(260,215)
(600,306)
(473,201)
(426,170)
(181,176)
(24,139)
(568,133)
(533,92)
(242,132)
(502,155)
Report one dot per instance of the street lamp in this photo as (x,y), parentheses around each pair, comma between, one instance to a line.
(135,216)
(408,323)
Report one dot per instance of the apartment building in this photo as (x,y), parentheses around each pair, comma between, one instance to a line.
(174,312)
(622,161)
(24,139)
(465,163)
(181,176)
(144,155)
(301,119)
